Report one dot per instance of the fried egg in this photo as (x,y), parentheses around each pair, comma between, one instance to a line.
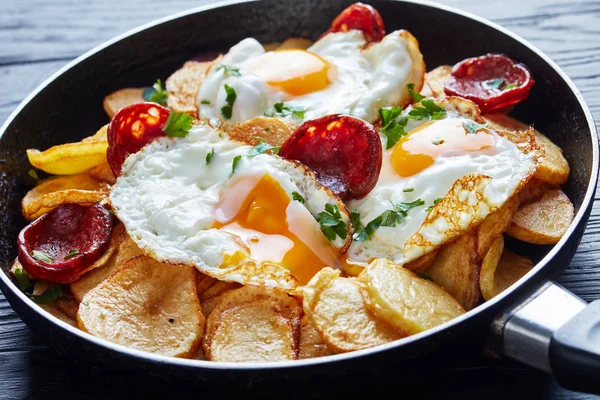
(453,174)
(337,74)
(212,202)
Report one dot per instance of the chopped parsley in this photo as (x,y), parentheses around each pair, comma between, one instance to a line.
(424,275)
(234,164)
(210,155)
(331,222)
(387,218)
(33,173)
(281,110)
(229,70)
(178,124)
(473,127)
(495,83)
(427,111)
(227,109)
(263,147)
(22,278)
(392,125)
(207,102)
(298,197)
(511,86)
(71,254)
(417,97)
(41,256)
(156,94)
(49,295)
(407,190)
(434,203)
(437,142)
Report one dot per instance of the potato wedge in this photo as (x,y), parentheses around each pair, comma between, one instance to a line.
(435,81)
(544,221)
(554,168)
(456,269)
(501,271)
(337,311)
(311,343)
(488,268)
(408,303)
(148,306)
(122,98)
(103,173)
(272,130)
(183,85)
(69,158)
(253,324)
(494,225)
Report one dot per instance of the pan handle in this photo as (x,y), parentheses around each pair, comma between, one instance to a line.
(554,331)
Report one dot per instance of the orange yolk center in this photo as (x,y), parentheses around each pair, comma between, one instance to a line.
(263,218)
(421,146)
(296,72)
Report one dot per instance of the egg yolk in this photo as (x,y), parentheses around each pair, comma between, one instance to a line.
(296,72)
(262,223)
(421,146)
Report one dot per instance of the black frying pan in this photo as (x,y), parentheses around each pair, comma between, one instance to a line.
(532,321)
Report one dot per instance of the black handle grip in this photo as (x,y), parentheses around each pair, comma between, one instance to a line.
(575,351)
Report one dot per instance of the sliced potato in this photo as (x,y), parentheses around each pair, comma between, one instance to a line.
(311,343)
(554,168)
(122,98)
(253,324)
(68,306)
(337,310)
(351,268)
(422,263)
(435,80)
(52,308)
(103,173)
(203,282)
(544,221)
(456,269)
(272,130)
(500,269)
(148,306)
(182,87)
(533,191)
(295,43)
(494,225)
(488,268)
(69,158)
(209,297)
(402,299)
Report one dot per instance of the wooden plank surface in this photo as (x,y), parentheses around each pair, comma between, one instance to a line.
(37,37)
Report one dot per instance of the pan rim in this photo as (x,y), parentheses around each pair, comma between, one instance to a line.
(256,366)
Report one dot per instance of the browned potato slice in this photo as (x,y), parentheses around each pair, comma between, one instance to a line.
(488,268)
(209,297)
(494,225)
(422,263)
(456,269)
(271,46)
(253,324)
(69,158)
(533,191)
(272,130)
(125,249)
(182,87)
(544,221)
(122,98)
(68,306)
(103,173)
(311,344)
(435,81)
(337,310)
(554,168)
(405,301)
(148,306)
(502,268)
(203,282)
(295,43)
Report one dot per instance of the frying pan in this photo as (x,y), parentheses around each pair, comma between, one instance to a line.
(535,321)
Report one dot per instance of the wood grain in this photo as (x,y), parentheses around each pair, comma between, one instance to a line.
(37,37)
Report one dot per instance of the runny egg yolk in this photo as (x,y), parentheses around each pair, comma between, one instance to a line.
(296,72)
(261,223)
(421,146)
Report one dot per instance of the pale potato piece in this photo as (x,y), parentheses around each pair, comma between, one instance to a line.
(337,310)
(295,43)
(456,269)
(122,98)
(533,191)
(183,85)
(422,263)
(494,225)
(311,343)
(50,201)
(554,168)
(272,130)
(148,306)
(351,268)
(69,158)
(53,309)
(68,306)
(510,269)
(103,173)
(435,81)
(544,221)
(203,282)
(488,268)
(405,301)
(209,297)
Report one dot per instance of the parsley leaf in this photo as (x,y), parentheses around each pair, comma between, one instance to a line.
(33,173)
(331,222)
(234,164)
(281,110)
(387,218)
(263,147)
(407,190)
(437,142)
(207,102)
(22,278)
(178,124)
(157,94)
(434,203)
(429,110)
(298,197)
(229,70)
(473,127)
(392,125)
(424,275)
(495,83)
(41,256)
(71,254)
(511,86)
(417,97)
(210,155)
(227,109)
(49,295)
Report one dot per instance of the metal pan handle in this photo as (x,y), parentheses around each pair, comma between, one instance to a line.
(557,332)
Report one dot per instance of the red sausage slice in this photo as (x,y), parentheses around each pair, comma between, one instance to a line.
(131,128)
(61,245)
(492,81)
(344,152)
(361,17)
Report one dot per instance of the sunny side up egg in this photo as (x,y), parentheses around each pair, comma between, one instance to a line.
(338,74)
(209,201)
(447,174)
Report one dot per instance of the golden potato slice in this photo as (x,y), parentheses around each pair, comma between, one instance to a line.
(500,269)
(53,309)
(270,46)
(182,87)
(148,306)
(456,269)
(272,130)
(554,168)
(253,324)
(209,297)
(203,282)
(494,225)
(311,343)
(435,80)
(337,310)
(405,301)
(69,158)
(295,43)
(488,268)
(544,221)
(422,263)
(351,268)
(103,173)
(122,98)
(124,250)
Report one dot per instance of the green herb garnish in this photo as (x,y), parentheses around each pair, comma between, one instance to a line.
(33,173)
(178,124)
(427,111)
(210,155)
(71,254)
(473,127)
(437,142)
(424,275)
(41,256)
(49,295)
(261,148)
(281,110)
(511,86)
(417,97)
(392,125)
(387,218)
(234,164)
(434,203)
(227,109)
(495,83)
(205,102)
(298,197)
(22,278)
(407,190)
(331,222)
(229,70)
(157,94)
